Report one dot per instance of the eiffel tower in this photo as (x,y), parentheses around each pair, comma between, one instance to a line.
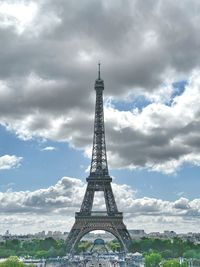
(87,220)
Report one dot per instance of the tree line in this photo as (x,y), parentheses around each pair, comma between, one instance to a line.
(36,248)
(49,247)
(167,248)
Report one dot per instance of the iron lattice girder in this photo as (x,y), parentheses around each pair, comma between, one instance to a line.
(103,185)
(99,164)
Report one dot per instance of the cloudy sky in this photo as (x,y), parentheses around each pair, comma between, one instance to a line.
(151,68)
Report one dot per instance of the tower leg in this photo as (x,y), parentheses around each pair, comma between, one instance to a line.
(88,199)
(109,199)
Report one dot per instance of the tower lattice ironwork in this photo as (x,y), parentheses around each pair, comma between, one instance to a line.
(87,220)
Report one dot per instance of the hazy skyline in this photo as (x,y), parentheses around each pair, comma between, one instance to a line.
(150,65)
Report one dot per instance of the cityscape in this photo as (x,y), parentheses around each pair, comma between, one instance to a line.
(99,133)
(135,234)
(89,250)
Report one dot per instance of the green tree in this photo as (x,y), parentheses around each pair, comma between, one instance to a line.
(12,262)
(189,254)
(179,246)
(147,244)
(83,246)
(32,248)
(47,243)
(173,263)
(52,252)
(114,245)
(197,255)
(152,260)
(41,254)
(167,254)
(5,253)
(61,252)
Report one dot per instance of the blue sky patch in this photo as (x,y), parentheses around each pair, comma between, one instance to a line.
(138,102)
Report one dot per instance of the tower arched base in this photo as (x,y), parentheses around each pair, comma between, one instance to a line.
(98,221)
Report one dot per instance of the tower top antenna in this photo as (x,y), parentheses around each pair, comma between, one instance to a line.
(99,72)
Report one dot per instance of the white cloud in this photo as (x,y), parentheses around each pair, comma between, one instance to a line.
(55,207)
(9,162)
(159,137)
(28,224)
(67,193)
(18,14)
(49,148)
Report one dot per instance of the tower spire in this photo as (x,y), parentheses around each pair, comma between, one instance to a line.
(99,72)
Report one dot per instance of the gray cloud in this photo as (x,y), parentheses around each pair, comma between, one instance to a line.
(130,37)
(47,72)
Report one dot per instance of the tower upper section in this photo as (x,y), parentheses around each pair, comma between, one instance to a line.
(99,166)
(99,83)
